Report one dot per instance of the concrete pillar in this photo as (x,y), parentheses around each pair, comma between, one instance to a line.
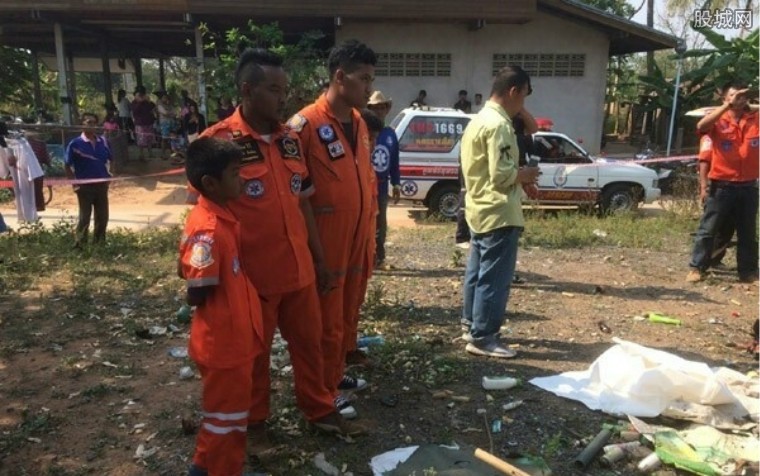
(63,85)
(161,74)
(36,82)
(107,86)
(137,62)
(72,77)
(201,68)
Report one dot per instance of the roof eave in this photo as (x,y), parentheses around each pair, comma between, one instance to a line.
(626,36)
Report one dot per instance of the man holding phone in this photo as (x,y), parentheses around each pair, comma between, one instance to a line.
(732,135)
(493,179)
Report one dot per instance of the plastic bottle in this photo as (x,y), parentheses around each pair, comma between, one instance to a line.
(367,341)
(499,383)
(611,457)
(661,319)
(631,445)
(650,463)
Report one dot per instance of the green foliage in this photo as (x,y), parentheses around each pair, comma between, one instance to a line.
(16,74)
(303,60)
(727,60)
(620,8)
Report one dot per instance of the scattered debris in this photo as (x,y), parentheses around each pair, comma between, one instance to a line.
(663,319)
(142,453)
(512,405)
(604,327)
(323,465)
(592,449)
(186,373)
(499,383)
(178,352)
(157,331)
(600,233)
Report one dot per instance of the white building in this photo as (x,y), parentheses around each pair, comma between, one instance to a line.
(565,51)
(441,46)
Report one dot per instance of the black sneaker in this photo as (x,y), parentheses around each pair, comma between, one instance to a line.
(351,384)
(345,408)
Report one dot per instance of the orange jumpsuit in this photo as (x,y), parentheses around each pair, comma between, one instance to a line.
(352,324)
(277,259)
(225,335)
(342,205)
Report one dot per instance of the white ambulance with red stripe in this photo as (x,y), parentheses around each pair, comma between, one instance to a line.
(429,143)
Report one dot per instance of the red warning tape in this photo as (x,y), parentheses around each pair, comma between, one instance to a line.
(54,182)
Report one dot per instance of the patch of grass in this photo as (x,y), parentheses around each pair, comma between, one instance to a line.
(32,425)
(553,446)
(419,362)
(628,230)
(101,390)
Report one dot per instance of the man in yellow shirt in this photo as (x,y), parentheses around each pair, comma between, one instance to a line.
(494,183)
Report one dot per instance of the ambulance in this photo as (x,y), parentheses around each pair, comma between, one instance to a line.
(429,144)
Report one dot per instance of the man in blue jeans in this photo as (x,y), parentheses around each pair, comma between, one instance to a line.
(494,182)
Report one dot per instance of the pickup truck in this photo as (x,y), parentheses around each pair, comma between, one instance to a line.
(429,143)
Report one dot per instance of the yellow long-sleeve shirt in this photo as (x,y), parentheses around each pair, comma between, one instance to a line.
(489,167)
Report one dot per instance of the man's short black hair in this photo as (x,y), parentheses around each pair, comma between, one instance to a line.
(374,124)
(249,65)
(509,77)
(90,115)
(422,93)
(463,92)
(349,56)
(209,156)
(734,83)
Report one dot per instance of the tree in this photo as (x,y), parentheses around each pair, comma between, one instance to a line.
(727,60)
(15,76)
(304,62)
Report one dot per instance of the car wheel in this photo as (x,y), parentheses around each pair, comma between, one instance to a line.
(444,201)
(619,198)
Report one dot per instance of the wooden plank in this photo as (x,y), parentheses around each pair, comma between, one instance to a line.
(417,11)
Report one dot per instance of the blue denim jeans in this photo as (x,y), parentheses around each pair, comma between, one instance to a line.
(724,202)
(487,281)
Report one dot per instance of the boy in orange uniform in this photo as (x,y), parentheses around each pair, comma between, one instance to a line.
(337,151)
(226,332)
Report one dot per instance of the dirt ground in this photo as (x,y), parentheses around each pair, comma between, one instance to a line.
(85,394)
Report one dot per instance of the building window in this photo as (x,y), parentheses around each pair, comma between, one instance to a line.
(543,64)
(413,64)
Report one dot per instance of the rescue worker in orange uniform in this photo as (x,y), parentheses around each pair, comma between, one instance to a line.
(275,240)
(226,332)
(354,356)
(724,234)
(733,172)
(337,150)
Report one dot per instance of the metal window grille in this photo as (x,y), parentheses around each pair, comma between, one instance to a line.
(382,68)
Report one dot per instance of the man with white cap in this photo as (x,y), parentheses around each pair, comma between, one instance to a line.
(385,161)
